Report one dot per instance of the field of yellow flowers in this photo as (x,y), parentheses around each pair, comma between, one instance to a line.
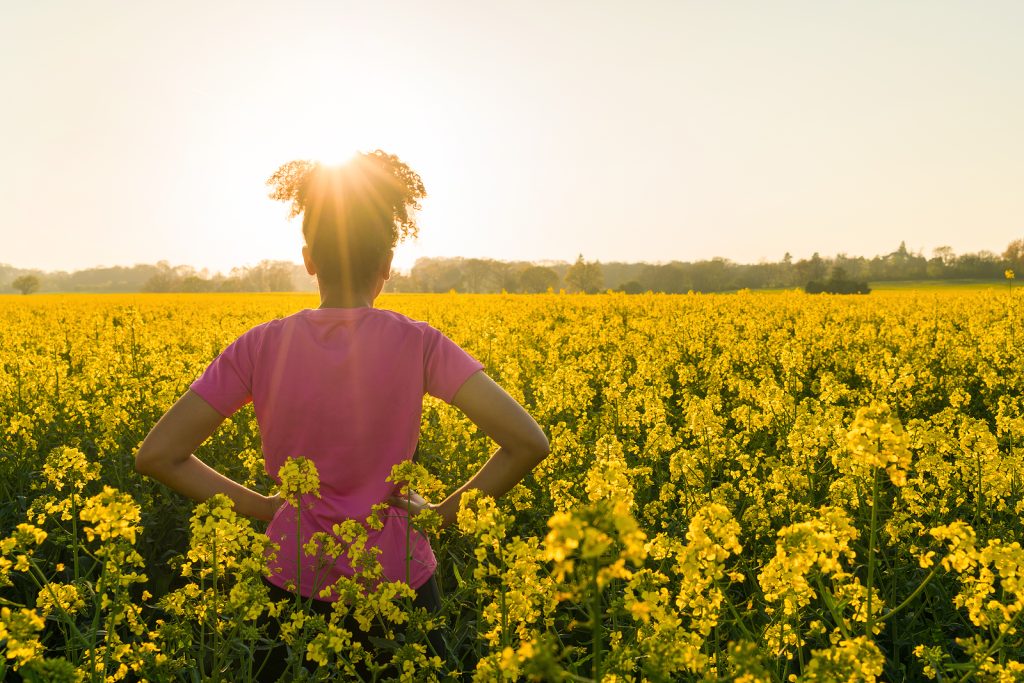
(746,487)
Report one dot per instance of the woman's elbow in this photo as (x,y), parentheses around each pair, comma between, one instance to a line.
(537,448)
(148,461)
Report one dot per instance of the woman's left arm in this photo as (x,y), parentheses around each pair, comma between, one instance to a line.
(167,456)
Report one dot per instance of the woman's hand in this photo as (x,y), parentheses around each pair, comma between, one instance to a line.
(270,506)
(167,456)
(414,503)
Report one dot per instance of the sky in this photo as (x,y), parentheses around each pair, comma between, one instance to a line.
(624,131)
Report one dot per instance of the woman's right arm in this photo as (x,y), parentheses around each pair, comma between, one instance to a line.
(521,443)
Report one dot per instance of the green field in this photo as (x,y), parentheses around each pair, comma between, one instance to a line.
(931,285)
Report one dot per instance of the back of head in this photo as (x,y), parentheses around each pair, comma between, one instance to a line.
(353,215)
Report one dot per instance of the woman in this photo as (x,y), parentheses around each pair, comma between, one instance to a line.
(343,385)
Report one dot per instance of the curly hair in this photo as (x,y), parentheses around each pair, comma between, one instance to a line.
(353,214)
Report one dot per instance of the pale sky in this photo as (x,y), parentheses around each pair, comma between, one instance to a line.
(138,131)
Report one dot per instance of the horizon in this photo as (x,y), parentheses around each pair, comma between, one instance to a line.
(212,272)
(672,131)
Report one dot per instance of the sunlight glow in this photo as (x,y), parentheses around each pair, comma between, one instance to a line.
(338,160)
(535,140)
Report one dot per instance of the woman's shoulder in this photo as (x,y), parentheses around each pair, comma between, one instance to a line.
(396,318)
(389,320)
(405,326)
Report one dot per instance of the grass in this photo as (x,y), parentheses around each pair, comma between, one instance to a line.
(933,285)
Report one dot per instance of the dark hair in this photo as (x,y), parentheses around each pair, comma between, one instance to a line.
(353,214)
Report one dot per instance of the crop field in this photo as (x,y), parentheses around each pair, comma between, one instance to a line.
(741,487)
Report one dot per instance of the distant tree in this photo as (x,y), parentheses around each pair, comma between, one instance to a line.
(437,275)
(1014,255)
(476,274)
(945,254)
(537,279)
(277,276)
(194,283)
(26,284)
(901,254)
(710,276)
(631,287)
(399,283)
(813,269)
(673,278)
(163,280)
(506,277)
(585,277)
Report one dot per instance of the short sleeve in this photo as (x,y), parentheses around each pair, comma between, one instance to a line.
(227,382)
(446,366)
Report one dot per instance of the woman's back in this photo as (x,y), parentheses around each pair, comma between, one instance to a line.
(342,387)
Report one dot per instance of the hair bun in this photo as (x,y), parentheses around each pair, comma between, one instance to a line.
(384,176)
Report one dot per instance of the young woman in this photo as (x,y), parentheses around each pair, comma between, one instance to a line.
(342,385)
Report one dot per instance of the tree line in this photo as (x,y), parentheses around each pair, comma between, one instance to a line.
(266,276)
(490,275)
(714,275)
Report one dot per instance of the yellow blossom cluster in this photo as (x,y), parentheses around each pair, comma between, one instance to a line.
(876,439)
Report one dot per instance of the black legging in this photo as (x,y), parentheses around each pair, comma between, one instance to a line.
(427,596)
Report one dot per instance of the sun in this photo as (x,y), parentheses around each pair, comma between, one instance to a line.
(335,159)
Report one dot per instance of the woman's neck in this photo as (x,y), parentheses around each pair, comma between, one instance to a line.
(345,299)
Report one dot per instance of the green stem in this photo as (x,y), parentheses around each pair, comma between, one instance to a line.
(201,659)
(799,646)
(869,622)
(909,599)
(576,677)
(827,597)
(298,573)
(96,626)
(74,532)
(595,617)
(214,617)
(408,534)
(505,640)
(736,616)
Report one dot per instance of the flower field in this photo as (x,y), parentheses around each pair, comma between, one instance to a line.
(746,487)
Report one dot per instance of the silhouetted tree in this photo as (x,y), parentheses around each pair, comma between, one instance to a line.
(1014,255)
(437,275)
(194,283)
(945,255)
(631,287)
(837,283)
(26,284)
(507,276)
(163,280)
(476,274)
(673,278)
(537,279)
(585,277)
(710,276)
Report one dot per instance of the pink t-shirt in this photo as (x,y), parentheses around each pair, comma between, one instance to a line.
(343,387)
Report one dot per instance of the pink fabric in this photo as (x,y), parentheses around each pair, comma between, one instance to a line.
(343,387)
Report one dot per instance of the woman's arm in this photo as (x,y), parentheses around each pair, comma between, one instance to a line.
(521,443)
(166,455)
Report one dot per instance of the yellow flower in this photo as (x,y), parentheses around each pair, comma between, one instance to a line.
(69,467)
(876,439)
(299,477)
(112,515)
(20,630)
(63,597)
